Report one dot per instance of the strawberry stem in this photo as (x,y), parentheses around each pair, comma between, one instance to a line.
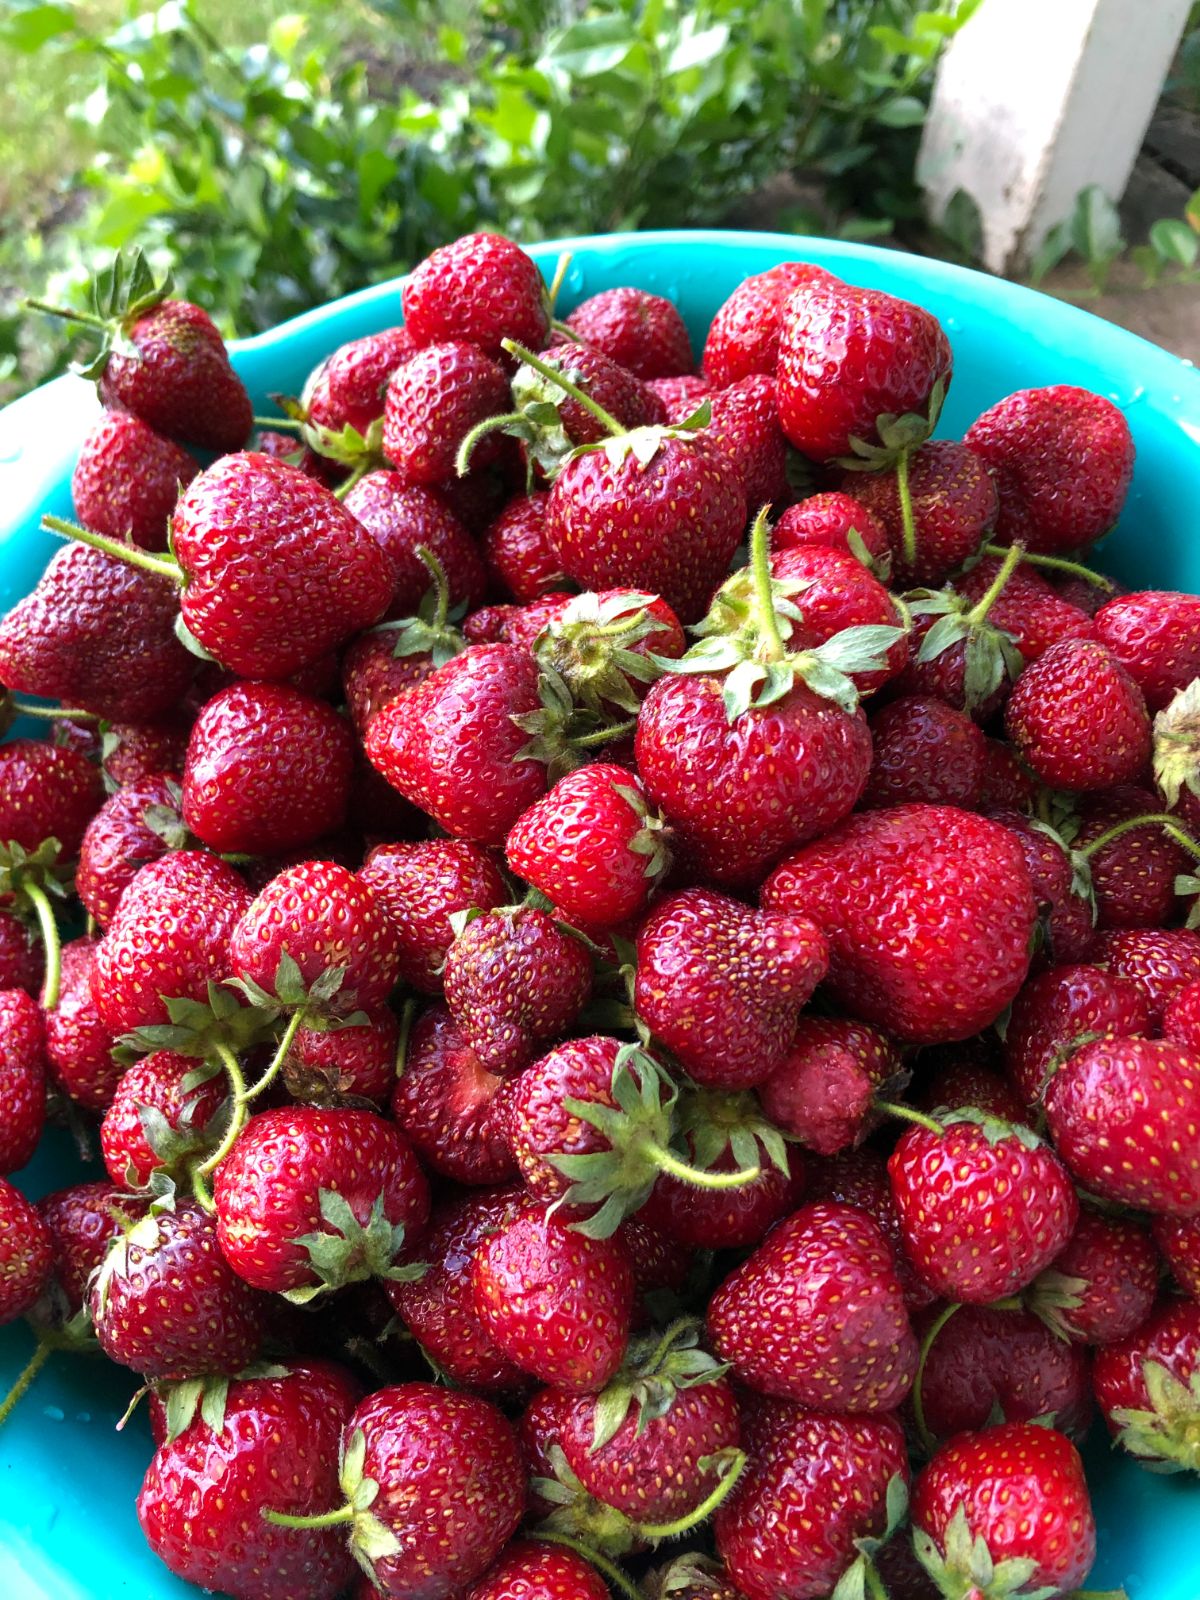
(1074,569)
(873,1581)
(24,1379)
(987,600)
(407,1017)
(928,1442)
(666,1162)
(562,266)
(323,1519)
(908,526)
(280,1056)
(26,708)
(357,474)
(506,419)
(441,584)
(889,1108)
(589,741)
(40,902)
(672,1530)
(161,566)
(1168,824)
(278,424)
(87,318)
(604,418)
(771,646)
(237,1121)
(602,1564)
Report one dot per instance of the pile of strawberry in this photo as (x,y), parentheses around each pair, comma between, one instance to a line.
(572,1093)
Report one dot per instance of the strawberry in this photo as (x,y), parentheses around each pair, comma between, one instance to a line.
(642,332)
(835,591)
(859,1177)
(850,357)
(593,846)
(79,1044)
(1062,459)
(26,1253)
(323,919)
(83,1221)
(138,824)
(132,751)
(22,1078)
(1026,606)
(894,891)
(523,625)
(951,509)
(983,1205)
(743,336)
(818,1493)
(127,479)
(680,397)
(1005,1510)
(514,980)
(821,1092)
(402,518)
(158,1121)
(554,1301)
(438,1309)
(268,768)
(385,663)
(1181,1020)
(1146,1386)
(816,1314)
(744,420)
(267,1442)
(1157,961)
(531,1569)
(162,359)
(21,962)
(1133,869)
(421,886)
(329,1063)
(481,287)
(1102,1284)
(956,1081)
(1006,783)
(347,389)
(46,792)
(1154,635)
(692,1577)
(438,397)
(836,521)
(925,750)
(312,1198)
(517,549)
(455,1112)
(1059,1008)
(1078,720)
(1117,1095)
(166,1302)
(607,647)
(1179,1240)
(721,985)
(170,936)
(1062,887)
(713,1206)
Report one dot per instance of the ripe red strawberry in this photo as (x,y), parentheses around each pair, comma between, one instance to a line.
(722,985)
(1027,607)
(127,479)
(46,792)
(481,287)
(1155,636)
(26,1253)
(859,1178)
(1058,1008)
(401,518)
(286,447)
(836,591)
(816,1489)
(896,892)
(821,1091)
(169,937)
(531,1569)
(711,1218)
(438,1308)
(817,1315)
(327,1064)
(1006,1506)
(373,673)
(1157,961)
(433,402)
(1133,877)
(21,962)
(1106,1109)
(323,917)
(522,625)
(603,645)
(83,1221)
(1061,887)
(272,1445)
(679,397)
(1103,1283)
(986,1364)
(640,331)
(925,750)
(514,982)
(836,521)
(983,1206)
(517,549)
(22,1078)
(554,1301)
(136,825)
(848,356)
(1179,1240)
(78,1043)
(1078,720)
(347,389)
(1062,459)
(268,768)
(311,1198)
(276,572)
(455,1112)
(132,751)
(1006,783)
(1146,1387)
(168,1304)
(954,508)
(961,1080)
(451,745)
(1181,1020)
(592,845)
(743,336)
(745,423)
(153,1124)
(421,886)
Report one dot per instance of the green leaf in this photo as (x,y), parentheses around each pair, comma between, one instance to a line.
(1175,242)
(905,111)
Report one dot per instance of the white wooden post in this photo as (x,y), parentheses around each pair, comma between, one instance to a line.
(1036,100)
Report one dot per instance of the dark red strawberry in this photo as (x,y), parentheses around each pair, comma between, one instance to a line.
(402,518)
(1026,606)
(1181,1020)
(356,1062)
(268,768)
(1006,783)
(46,792)
(347,389)
(1062,459)
(593,846)
(1102,1285)
(127,479)
(166,1302)
(26,1253)
(434,401)
(155,1124)
(956,1078)
(1008,1506)
(136,825)
(481,287)
(952,509)
(1146,1386)
(311,1198)
(1157,961)
(517,549)
(817,1315)
(1106,1109)
(849,356)
(83,1221)
(743,336)
(261,1443)
(816,1490)
(556,1302)
(1062,887)
(1133,869)
(22,1078)
(454,1111)
(821,1092)
(836,521)
(1179,1240)
(1078,720)
(514,982)
(834,591)
(722,985)
(421,886)
(1056,1010)
(531,1569)
(723,1212)
(550,421)
(21,962)
(78,1043)
(132,751)
(745,423)
(925,750)
(522,625)
(640,331)
(169,937)
(859,1178)
(896,892)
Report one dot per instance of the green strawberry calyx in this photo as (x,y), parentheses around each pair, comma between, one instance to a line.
(433,631)
(964,1568)
(861,1580)
(990,653)
(1166,1435)
(122,293)
(657,1367)
(591,648)
(346,1250)
(1177,745)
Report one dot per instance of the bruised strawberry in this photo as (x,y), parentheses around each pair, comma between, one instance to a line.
(743,336)
(334,1063)
(821,1092)
(401,518)
(1059,1008)
(421,886)
(127,479)
(640,331)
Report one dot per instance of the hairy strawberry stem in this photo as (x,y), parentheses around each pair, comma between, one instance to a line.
(890,1108)
(237,1121)
(771,646)
(698,1179)
(279,424)
(294,1023)
(1074,569)
(561,268)
(908,537)
(321,1519)
(24,1379)
(987,600)
(702,1512)
(357,473)
(604,418)
(87,319)
(40,902)
(161,566)
(613,1574)
(26,708)
(928,1442)
(1163,819)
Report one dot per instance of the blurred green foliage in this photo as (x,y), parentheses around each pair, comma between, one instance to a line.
(275,158)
